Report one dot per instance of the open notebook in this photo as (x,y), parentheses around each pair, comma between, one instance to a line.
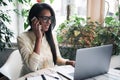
(51,76)
(66,71)
(48,74)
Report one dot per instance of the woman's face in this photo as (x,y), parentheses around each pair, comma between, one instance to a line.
(45,19)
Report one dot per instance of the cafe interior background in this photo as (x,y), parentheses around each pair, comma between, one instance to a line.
(79,24)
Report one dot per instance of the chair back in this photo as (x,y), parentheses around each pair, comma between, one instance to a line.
(13,65)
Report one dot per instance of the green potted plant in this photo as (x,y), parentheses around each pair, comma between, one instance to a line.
(5,33)
(109,34)
(79,32)
(75,33)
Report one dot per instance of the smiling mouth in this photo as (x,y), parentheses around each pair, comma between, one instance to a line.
(46,29)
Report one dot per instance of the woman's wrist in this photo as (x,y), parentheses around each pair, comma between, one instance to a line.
(38,39)
(67,63)
(37,45)
(70,63)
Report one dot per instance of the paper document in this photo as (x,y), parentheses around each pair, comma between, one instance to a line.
(114,72)
(35,78)
(67,71)
(45,77)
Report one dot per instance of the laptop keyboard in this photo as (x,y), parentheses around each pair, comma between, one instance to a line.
(71,74)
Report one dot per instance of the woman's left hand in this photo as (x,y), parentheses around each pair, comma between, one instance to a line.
(71,62)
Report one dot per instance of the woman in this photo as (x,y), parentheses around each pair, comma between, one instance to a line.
(38,46)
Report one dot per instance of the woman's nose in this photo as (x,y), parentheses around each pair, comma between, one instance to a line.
(49,21)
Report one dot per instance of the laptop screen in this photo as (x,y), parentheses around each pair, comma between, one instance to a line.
(92,61)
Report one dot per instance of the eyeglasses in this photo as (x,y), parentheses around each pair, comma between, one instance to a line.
(45,19)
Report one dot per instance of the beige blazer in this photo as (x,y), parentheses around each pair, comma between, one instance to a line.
(33,61)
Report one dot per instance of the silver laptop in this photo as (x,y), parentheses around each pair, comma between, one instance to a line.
(91,62)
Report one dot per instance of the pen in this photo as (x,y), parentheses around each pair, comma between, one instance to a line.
(43,77)
(64,76)
(52,76)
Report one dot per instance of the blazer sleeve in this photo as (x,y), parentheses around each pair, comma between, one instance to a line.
(30,58)
(60,59)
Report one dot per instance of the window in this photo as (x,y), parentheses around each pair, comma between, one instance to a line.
(60,6)
(9,10)
(111,7)
(81,6)
(78,7)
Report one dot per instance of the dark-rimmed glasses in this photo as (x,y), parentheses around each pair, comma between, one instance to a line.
(45,19)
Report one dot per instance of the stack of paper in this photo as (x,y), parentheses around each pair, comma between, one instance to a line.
(67,71)
(35,78)
(46,77)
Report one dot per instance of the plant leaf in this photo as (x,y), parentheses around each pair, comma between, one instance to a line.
(51,1)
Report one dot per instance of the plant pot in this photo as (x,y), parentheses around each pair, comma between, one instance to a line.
(68,52)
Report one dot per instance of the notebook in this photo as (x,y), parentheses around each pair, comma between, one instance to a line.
(90,62)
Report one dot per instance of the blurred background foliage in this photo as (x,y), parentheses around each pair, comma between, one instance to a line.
(79,32)
(5,33)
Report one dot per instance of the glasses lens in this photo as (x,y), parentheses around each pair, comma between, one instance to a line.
(46,18)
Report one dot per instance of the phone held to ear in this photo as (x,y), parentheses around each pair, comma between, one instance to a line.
(33,19)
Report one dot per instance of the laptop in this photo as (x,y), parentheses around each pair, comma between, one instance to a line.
(90,62)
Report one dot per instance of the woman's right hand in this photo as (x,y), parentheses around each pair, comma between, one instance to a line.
(36,27)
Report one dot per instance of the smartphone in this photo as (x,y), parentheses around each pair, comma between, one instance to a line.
(33,19)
